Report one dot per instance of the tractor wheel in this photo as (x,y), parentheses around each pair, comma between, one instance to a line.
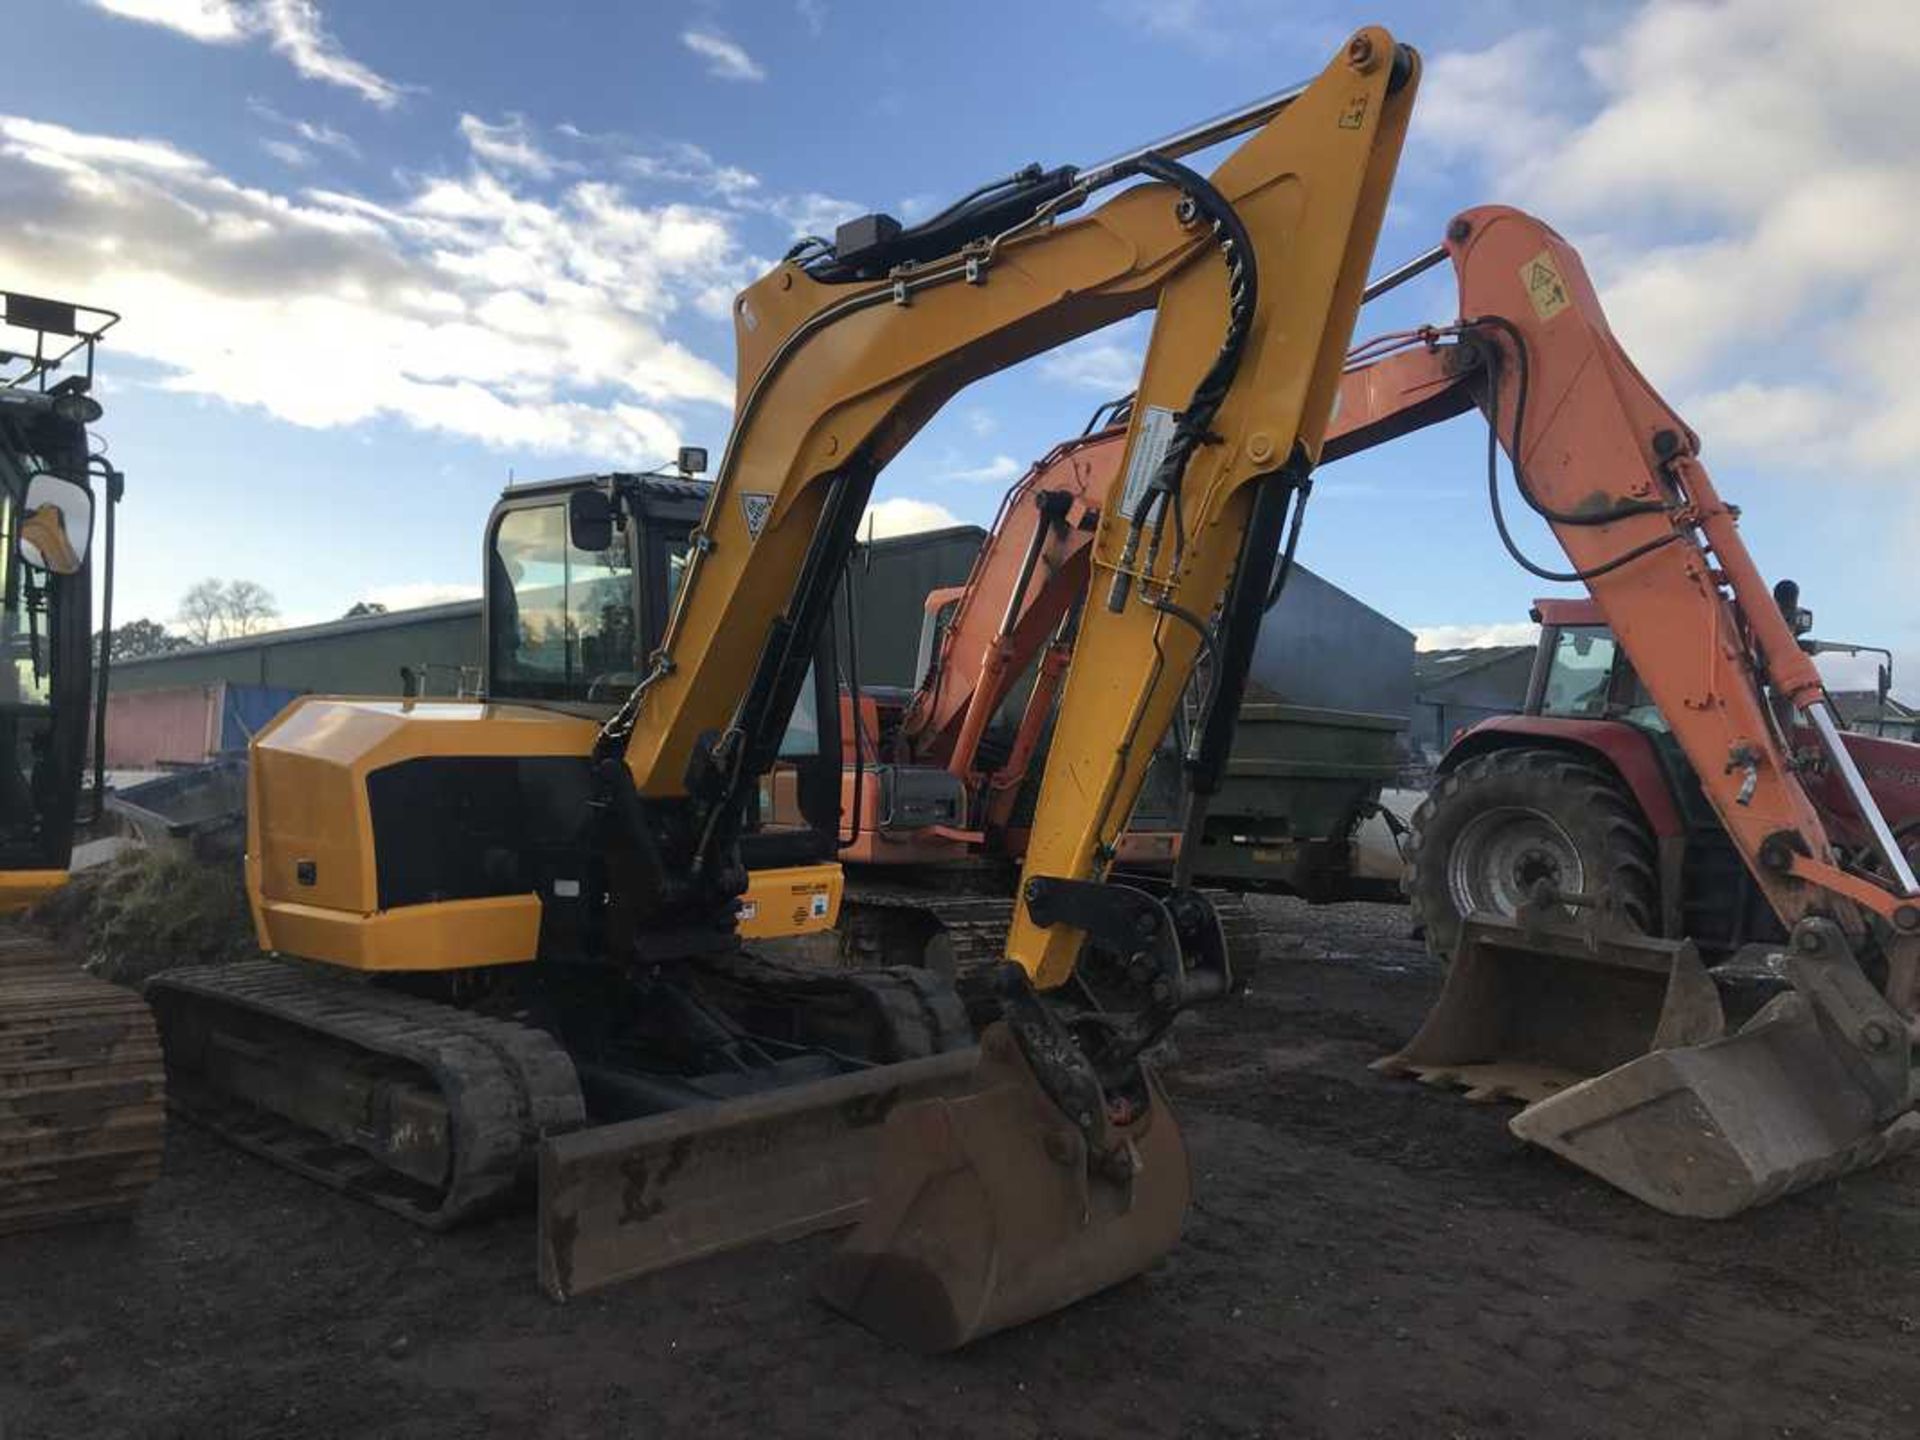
(1491,830)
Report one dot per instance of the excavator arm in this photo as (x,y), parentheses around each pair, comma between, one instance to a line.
(1819,1081)
(1062,1171)
(1616,474)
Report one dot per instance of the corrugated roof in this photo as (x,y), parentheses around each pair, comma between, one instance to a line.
(1430,666)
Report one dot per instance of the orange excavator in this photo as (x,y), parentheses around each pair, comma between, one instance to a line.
(1621,1040)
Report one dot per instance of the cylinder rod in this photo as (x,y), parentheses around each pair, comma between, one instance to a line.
(1828,729)
(1223,126)
(1400,274)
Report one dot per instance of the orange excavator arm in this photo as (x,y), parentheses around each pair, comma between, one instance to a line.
(1819,1081)
(1020,595)
(1616,474)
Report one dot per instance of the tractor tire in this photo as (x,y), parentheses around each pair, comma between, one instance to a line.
(1490,830)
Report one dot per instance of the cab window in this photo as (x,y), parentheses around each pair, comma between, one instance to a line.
(560,620)
(1581,672)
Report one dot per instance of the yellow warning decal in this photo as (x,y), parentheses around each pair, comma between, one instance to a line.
(1545,288)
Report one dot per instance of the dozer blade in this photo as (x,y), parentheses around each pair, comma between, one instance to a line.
(1531,1007)
(620,1201)
(1815,1085)
(987,1213)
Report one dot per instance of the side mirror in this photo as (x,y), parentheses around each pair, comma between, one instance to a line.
(590,520)
(57,523)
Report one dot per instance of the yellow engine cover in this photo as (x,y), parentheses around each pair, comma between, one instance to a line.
(314,876)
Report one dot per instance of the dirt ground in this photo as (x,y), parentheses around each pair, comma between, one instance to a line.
(1365,1258)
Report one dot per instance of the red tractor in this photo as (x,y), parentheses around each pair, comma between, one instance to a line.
(1587,790)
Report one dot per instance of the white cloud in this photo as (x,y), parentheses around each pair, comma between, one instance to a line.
(292,28)
(313,134)
(726,59)
(465,307)
(814,213)
(509,144)
(813,13)
(997,471)
(1472,637)
(904,516)
(1107,363)
(212,22)
(288,153)
(1752,236)
(983,423)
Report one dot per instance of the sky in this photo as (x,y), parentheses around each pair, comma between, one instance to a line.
(377,258)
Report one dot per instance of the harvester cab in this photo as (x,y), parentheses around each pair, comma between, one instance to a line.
(1682,670)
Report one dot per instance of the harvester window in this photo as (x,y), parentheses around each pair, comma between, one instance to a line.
(560,618)
(1581,673)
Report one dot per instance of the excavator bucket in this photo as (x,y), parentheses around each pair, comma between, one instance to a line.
(1534,1005)
(1815,1085)
(623,1200)
(988,1213)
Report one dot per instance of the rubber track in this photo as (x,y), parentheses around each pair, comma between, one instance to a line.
(82,1104)
(924,1016)
(505,1085)
(976,925)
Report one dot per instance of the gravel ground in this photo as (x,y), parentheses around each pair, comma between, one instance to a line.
(1366,1257)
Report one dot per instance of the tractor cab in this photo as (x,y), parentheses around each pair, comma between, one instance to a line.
(1580,672)
(51,487)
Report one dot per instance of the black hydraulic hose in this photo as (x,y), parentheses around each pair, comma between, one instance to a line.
(853,704)
(115,484)
(1539,507)
(1194,424)
(1285,570)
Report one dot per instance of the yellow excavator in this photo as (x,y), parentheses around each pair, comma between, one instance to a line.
(518,921)
(82,1116)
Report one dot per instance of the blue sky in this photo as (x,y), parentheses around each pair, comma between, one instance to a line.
(376,256)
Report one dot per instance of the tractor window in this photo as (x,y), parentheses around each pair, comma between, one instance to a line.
(1581,672)
(560,619)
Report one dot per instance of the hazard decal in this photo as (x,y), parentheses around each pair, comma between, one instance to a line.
(756,506)
(1545,288)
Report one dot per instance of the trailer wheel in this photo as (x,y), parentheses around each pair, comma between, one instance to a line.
(1499,824)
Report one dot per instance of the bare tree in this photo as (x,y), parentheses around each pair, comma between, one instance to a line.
(203,611)
(249,606)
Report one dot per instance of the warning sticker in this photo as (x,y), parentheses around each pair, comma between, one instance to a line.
(1154,435)
(749,910)
(1355,115)
(756,505)
(1545,288)
(818,905)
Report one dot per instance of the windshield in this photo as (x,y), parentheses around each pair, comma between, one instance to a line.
(560,619)
(1582,668)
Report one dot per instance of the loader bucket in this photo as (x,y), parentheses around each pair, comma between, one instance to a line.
(1709,1130)
(987,1213)
(1531,1007)
(620,1201)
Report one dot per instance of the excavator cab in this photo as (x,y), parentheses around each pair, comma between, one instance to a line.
(581,576)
